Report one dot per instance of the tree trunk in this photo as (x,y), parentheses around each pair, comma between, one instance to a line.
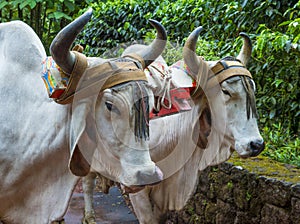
(38,17)
(20,13)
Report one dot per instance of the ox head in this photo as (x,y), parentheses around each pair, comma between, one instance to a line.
(236,91)
(110,109)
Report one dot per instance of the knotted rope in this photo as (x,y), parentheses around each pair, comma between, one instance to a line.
(162,78)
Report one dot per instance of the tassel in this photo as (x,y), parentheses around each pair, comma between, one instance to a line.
(141,108)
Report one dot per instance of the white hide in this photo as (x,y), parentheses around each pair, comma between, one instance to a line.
(36,183)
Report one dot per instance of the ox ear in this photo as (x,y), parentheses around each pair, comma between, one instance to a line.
(82,139)
(78,165)
(202,129)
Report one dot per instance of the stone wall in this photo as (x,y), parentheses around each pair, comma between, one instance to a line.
(248,191)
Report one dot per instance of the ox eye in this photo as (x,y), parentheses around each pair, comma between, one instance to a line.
(110,106)
(226,92)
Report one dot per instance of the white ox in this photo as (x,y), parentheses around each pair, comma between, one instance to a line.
(39,137)
(222,119)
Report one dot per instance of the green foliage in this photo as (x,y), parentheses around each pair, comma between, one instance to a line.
(46,17)
(248,196)
(281,145)
(230,184)
(278,61)
(115,22)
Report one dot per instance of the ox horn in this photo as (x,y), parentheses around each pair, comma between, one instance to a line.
(151,52)
(60,46)
(189,52)
(246,50)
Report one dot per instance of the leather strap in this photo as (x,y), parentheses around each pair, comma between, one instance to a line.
(96,79)
(136,57)
(223,70)
(78,69)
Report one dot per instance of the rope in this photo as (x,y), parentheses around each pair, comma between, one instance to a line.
(163,87)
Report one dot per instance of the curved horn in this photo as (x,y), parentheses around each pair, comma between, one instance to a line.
(189,52)
(151,52)
(246,50)
(60,46)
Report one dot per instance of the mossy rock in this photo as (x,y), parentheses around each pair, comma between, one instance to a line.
(264,166)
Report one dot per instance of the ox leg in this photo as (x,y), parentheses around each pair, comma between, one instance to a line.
(88,185)
(142,207)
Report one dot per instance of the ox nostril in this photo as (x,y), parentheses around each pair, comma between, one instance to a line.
(257,146)
(150,178)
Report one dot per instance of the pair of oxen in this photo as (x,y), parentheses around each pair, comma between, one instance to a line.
(106,128)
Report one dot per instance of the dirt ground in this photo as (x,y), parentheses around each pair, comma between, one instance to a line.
(109,208)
